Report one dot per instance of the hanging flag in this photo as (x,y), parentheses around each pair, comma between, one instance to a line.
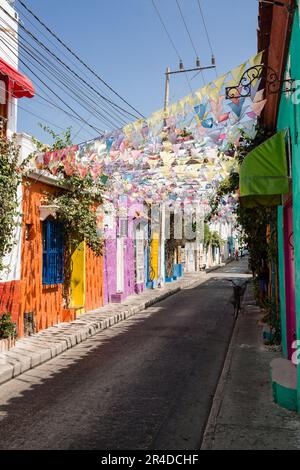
(208,123)
(200,111)
(256,59)
(258,107)
(237,73)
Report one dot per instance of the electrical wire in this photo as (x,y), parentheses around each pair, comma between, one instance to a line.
(41,44)
(166,31)
(206,31)
(79,93)
(47,102)
(78,58)
(42,71)
(190,36)
(68,86)
(60,50)
(53,92)
(40,117)
(111,112)
(171,41)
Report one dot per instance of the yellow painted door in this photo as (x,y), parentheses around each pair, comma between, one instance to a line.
(154,257)
(78,278)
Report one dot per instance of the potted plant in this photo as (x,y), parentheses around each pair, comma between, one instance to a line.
(8,332)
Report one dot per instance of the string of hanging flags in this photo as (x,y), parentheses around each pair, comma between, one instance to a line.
(179,154)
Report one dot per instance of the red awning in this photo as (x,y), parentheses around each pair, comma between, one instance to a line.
(20,86)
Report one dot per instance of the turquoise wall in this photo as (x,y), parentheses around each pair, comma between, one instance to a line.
(282,281)
(289,117)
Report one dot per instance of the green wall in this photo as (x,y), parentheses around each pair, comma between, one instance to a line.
(282,281)
(289,117)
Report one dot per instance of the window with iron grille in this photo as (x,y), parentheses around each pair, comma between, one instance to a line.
(53,252)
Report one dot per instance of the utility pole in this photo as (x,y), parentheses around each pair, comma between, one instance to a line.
(183,70)
(167,88)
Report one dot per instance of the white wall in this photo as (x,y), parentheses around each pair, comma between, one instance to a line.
(26,145)
(12,261)
(9,52)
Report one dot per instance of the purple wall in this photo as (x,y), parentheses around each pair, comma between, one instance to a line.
(110,269)
(110,259)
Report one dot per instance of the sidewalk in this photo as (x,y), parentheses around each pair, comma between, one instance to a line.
(41,347)
(243,415)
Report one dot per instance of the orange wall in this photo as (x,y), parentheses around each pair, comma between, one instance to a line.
(93,280)
(11,294)
(47,301)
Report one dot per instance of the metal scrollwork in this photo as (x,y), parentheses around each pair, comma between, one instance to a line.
(291,243)
(272,83)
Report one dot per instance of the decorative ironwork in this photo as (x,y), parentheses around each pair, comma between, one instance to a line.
(291,241)
(260,72)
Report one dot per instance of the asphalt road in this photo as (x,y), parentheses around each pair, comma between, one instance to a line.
(147,383)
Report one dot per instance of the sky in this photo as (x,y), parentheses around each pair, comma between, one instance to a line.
(125,43)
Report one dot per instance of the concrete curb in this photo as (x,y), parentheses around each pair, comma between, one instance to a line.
(208,436)
(41,347)
(215,268)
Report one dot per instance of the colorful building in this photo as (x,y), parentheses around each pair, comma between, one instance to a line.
(124,249)
(47,299)
(277,160)
(13,86)
(289,214)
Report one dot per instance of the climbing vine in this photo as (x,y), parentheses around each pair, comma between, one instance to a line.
(75,200)
(254,221)
(11,171)
(259,225)
(75,203)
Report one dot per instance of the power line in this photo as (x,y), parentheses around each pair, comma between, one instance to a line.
(71,85)
(56,47)
(47,102)
(189,35)
(41,44)
(48,87)
(74,85)
(53,92)
(166,31)
(206,31)
(186,27)
(78,58)
(40,117)
(63,78)
(171,40)
(51,71)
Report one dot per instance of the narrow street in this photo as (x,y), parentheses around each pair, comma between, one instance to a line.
(146,383)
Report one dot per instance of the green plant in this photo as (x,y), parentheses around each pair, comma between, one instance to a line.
(60,141)
(8,328)
(75,200)
(11,171)
(211,237)
(76,203)
(253,221)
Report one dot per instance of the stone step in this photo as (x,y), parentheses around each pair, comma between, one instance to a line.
(284,383)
